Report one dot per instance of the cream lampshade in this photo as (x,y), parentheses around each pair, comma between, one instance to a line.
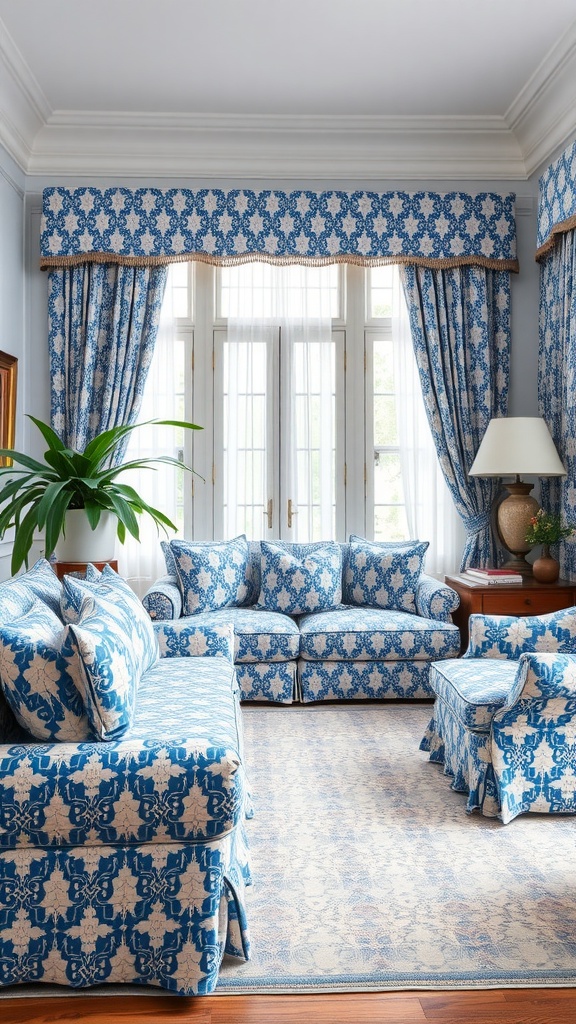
(515,446)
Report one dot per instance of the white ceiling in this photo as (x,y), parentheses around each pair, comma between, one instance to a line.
(480,87)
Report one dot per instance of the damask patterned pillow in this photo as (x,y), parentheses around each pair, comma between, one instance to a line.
(113,653)
(40,676)
(383,575)
(505,636)
(211,574)
(300,578)
(130,610)
(17,595)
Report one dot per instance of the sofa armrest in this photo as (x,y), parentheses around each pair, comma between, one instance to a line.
(185,638)
(434,599)
(507,636)
(163,600)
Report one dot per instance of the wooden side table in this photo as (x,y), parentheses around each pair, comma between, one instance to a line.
(79,568)
(527,598)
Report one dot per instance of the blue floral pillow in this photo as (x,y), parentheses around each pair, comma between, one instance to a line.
(40,676)
(129,609)
(211,574)
(300,578)
(383,575)
(19,593)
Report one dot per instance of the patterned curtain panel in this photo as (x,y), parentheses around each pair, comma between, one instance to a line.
(557,381)
(147,226)
(460,323)
(103,321)
(557,353)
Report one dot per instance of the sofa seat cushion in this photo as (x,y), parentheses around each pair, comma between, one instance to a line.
(473,688)
(175,777)
(258,635)
(373,634)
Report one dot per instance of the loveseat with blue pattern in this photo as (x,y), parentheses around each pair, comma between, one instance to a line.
(123,855)
(321,621)
(504,722)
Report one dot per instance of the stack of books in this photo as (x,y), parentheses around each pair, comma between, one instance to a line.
(492,576)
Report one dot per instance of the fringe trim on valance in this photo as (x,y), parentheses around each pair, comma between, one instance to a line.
(559,229)
(52,262)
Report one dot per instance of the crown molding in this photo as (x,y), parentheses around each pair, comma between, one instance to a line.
(543,115)
(368,148)
(24,109)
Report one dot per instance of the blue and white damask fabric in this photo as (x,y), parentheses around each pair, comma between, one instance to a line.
(557,360)
(358,680)
(460,325)
(557,198)
(434,600)
(161,915)
(103,322)
(374,634)
(148,223)
(186,639)
(163,600)
(505,636)
(17,595)
(273,682)
(177,776)
(258,635)
(211,574)
(300,578)
(383,575)
(534,738)
(114,645)
(473,688)
(512,754)
(40,675)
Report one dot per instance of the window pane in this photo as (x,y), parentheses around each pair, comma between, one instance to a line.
(387,479)
(179,286)
(385,427)
(380,291)
(383,367)
(261,291)
(390,522)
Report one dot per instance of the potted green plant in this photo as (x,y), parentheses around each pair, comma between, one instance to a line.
(46,495)
(547,528)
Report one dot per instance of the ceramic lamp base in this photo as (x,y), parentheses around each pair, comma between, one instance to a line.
(513,519)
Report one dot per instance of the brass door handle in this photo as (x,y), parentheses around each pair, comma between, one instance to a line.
(268,512)
(291,513)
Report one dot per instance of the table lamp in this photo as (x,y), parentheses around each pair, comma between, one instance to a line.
(515,446)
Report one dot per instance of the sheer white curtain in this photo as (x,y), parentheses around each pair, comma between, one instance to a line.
(430,511)
(142,563)
(279,402)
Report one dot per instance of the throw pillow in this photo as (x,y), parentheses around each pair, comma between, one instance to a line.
(19,593)
(127,609)
(211,574)
(300,578)
(113,653)
(40,676)
(383,575)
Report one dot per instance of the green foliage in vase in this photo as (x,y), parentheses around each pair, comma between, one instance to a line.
(37,496)
(547,528)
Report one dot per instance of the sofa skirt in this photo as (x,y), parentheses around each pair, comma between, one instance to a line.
(274,682)
(157,914)
(353,680)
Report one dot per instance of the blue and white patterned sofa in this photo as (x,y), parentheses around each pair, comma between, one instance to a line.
(504,722)
(312,622)
(123,855)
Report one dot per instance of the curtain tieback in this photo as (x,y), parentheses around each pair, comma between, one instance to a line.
(476,524)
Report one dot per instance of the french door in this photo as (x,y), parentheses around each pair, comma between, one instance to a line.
(278,434)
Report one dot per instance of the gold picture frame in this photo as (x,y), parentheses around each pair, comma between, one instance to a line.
(8,380)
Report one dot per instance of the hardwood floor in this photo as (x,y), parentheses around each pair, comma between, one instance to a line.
(492,1006)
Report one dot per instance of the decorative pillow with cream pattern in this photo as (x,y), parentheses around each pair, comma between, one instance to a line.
(301,578)
(383,575)
(41,676)
(506,636)
(211,574)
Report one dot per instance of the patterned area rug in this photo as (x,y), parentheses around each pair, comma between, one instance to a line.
(369,875)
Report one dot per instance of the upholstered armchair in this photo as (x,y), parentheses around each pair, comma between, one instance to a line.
(504,722)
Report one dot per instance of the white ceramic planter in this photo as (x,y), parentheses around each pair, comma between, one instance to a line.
(82,544)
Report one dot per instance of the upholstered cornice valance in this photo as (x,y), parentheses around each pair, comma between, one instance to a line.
(557,200)
(150,226)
